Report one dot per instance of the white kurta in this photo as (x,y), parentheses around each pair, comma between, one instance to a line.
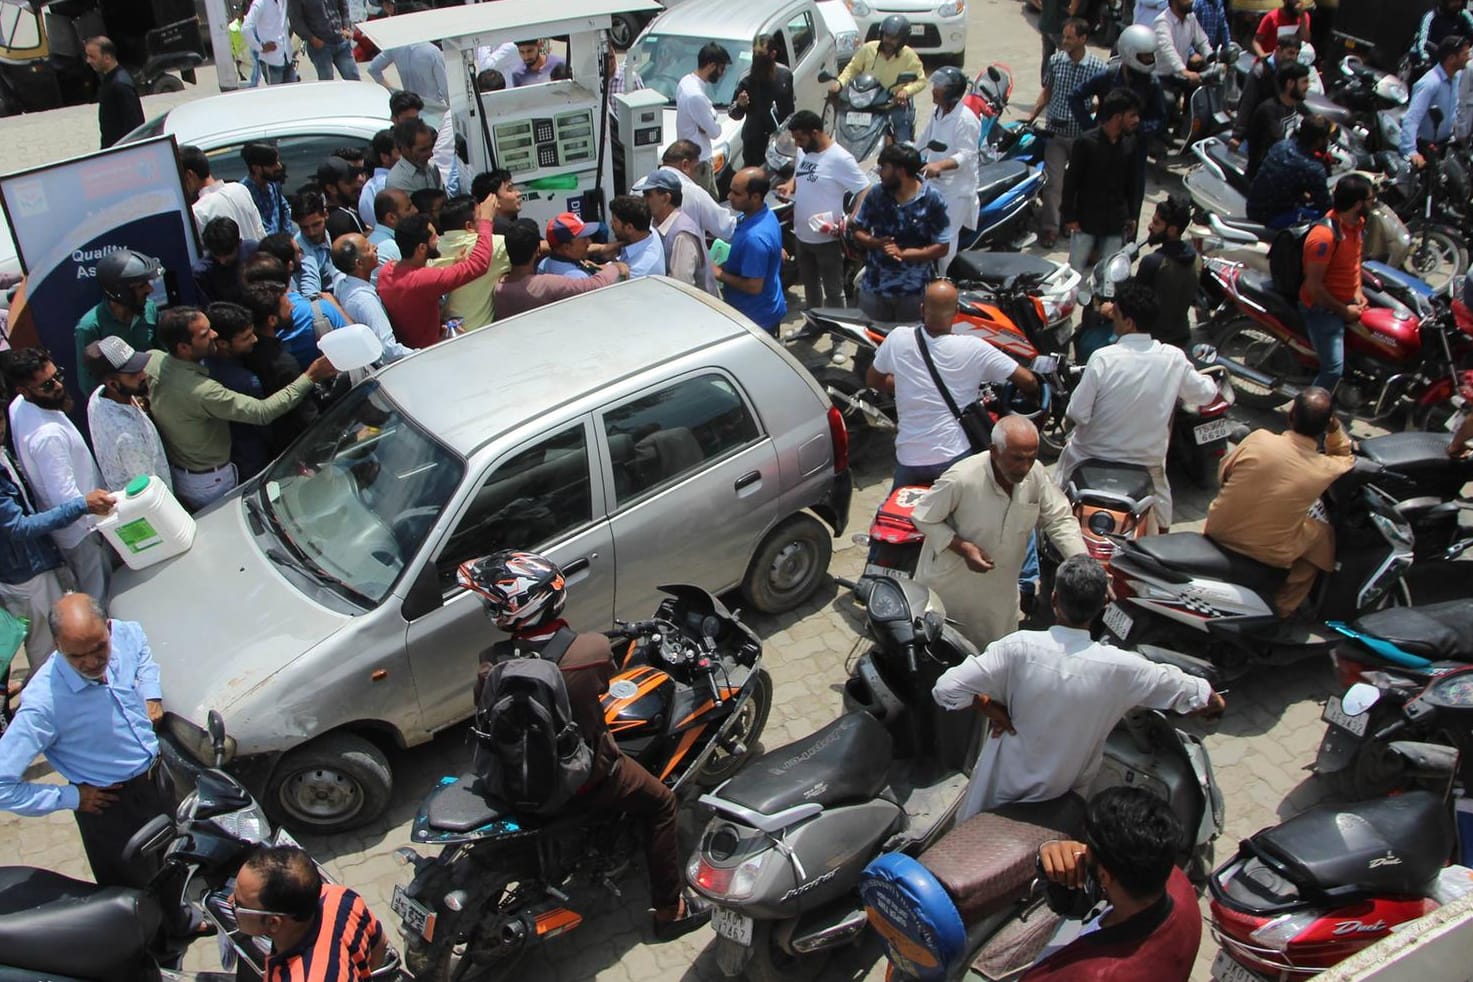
(968,501)
(1064,694)
(961,131)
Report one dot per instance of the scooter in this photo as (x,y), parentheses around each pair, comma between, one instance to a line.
(782,856)
(1208,111)
(864,122)
(688,702)
(1307,894)
(972,905)
(1377,99)
(990,94)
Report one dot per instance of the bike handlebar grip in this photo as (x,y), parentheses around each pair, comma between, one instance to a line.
(1388,732)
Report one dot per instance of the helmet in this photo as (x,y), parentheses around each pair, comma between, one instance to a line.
(951,82)
(520,589)
(1137,47)
(117,271)
(895,26)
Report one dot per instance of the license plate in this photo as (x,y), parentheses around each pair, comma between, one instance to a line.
(732,926)
(1455,420)
(417,918)
(1217,429)
(1224,969)
(871,569)
(856,119)
(1336,716)
(1118,622)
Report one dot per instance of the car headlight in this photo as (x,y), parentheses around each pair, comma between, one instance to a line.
(859,8)
(846,42)
(951,8)
(248,824)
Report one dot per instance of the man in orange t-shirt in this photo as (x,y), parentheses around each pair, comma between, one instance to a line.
(1331,296)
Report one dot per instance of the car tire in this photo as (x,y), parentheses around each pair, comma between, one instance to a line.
(336,782)
(788,565)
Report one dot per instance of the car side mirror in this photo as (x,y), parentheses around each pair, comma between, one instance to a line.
(826,76)
(424,593)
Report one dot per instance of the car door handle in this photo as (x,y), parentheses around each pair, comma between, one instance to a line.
(578,565)
(747,480)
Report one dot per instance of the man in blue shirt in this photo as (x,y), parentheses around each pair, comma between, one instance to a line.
(92,712)
(904,225)
(265,174)
(1439,88)
(317,274)
(639,246)
(752,273)
(1292,186)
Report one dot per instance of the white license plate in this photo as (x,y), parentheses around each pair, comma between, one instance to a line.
(856,119)
(1336,716)
(1224,969)
(1118,622)
(1456,420)
(870,569)
(417,918)
(1217,429)
(732,926)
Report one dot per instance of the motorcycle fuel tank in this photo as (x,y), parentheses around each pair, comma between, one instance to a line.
(637,706)
(985,321)
(1393,337)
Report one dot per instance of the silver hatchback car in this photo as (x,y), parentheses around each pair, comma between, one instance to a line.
(640,435)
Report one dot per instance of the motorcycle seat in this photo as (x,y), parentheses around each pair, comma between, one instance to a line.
(842,763)
(54,925)
(996,268)
(994,179)
(459,807)
(1232,165)
(1126,480)
(1413,451)
(1392,845)
(1192,552)
(988,861)
(1252,228)
(843,315)
(1258,286)
(1441,631)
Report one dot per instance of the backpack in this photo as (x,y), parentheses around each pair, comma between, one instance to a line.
(1286,257)
(530,753)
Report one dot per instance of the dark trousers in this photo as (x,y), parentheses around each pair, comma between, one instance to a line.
(104,834)
(635,791)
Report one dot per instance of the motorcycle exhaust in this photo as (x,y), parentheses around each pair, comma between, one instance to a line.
(844,930)
(1242,371)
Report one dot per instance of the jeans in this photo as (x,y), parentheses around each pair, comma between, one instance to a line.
(339,53)
(194,491)
(1326,332)
(277,74)
(903,308)
(821,270)
(91,564)
(32,600)
(1081,244)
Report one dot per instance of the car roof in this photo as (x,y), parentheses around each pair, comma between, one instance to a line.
(268,107)
(717,18)
(470,390)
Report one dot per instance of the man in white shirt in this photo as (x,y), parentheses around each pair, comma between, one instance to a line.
(929,438)
(210,197)
(503,58)
(640,247)
(1182,46)
(953,170)
(124,439)
(695,116)
(683,158)
(265,32)
(1146,12)
(55,460)
(1123,405)
(823,174)
(1054,696)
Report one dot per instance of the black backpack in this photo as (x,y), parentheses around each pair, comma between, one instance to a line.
(530,753)
(1286,256)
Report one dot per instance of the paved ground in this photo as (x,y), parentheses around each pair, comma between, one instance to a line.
(1260,750)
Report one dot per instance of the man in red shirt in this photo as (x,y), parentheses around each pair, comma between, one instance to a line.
(1291,19)
(1151,928)
(1331,296)
(318,932)
(411,290)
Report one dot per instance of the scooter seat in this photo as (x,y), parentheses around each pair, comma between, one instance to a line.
(1391,845)
(1413,453)
(996,268)
(1244,225)
(842,763)
(1439,632)
(459,807)
(988,861)
(1258,286)
(53,925)
(994,179)
(1232,164)
(1126,480)
(1192,552)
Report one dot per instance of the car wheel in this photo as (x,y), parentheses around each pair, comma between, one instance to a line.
(336,782)
(788,565)
(623,29)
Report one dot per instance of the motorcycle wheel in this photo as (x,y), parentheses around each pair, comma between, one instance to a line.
(1434,418)
(1244,340)
(1438,255)
(432,962)
(770,963)
(722,765)
(845,385)
(1374,771)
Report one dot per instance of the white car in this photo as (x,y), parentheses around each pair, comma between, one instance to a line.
(937,27)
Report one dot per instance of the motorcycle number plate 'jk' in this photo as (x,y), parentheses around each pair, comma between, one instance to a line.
(732,926)
(871,569)
(1336,716)
(853,118)
(1207,432)
(1224,969)
(418,919)
(1118,622)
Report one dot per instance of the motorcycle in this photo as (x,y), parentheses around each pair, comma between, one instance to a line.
(1377,100)
(1307,894)
(1434,203)
(782,855)
(989,96)
(66,930)
(1208,110)
(864,123)
(973,902)
(688,702)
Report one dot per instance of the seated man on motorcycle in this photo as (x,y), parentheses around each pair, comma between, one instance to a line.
(1260,85)
(1054,696)
(1151,928)
(1270,482)
(1292,186)
(1182,48)
(1448,17)
(887,58)
(1137,47)
(1124,403)
(1173,272)
(524,594)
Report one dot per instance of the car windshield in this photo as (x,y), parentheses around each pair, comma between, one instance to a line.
(354,498)
(662,60)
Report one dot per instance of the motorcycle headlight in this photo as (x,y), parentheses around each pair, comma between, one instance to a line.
(248,824)
(951,8)
(1394,528)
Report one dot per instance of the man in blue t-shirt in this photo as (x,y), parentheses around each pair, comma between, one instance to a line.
(904,226)
(752,273)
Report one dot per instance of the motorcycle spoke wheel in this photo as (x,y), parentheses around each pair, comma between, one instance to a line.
(1438,256)
(1243,340)
(452,963)
(747,730)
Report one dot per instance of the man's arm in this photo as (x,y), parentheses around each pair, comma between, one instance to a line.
(53,465)
(1247,102)
(1463,115)
(370,313)
(16,524)
(382,60)
(738,110)
(1200,41)
(218,402)
(910,62)
(1337,441)
(1056,518)
(1167,687)
(984,674)
(1079,155)
(862,62)
(447,278)
(1411,123)
(309,277)
(1082,399)
(711,125)
(1196,388)
(26,738)
(145,669)
(1082,98)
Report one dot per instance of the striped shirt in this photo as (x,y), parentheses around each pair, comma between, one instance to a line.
(339,947)
(1064,76)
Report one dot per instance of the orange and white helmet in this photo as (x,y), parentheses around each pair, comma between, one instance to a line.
(520,589)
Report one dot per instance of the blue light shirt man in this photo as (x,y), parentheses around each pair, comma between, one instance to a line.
(1438,88)
(751,277)
(421,71)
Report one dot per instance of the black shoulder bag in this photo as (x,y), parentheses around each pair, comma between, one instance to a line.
(974,419)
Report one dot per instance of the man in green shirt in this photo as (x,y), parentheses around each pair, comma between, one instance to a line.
(126,279)
(193,412)
(887,58)
(473,303)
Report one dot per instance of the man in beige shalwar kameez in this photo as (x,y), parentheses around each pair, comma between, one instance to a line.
(977,519)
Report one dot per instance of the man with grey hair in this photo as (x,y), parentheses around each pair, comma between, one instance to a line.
(977,518)
(356,257)
(1054,696)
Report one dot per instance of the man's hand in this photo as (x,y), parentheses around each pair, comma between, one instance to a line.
(317,42)
(1418,161)
(269,46)
(743,99)
(94,800)
(997,714)
(1234,143)
(902,98)
(1353,311)
(1193,78)
(321,370)
(1071,227)
(346,34)
(932,170)
(99,502)
(893,251)
(785,191)
(1216,706)
(834,87)
(155,709)
(623,269)
(977,561)
(486,210)
(1063,862)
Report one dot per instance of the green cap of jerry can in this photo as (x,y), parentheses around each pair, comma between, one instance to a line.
(136,486)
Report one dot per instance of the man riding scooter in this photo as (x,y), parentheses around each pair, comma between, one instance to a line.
(887,58)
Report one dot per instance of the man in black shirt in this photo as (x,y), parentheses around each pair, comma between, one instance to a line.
(1100,182)
(1258,87)
(341,184)
(1271,120)
(1171,272)
(119,110)
(763,99)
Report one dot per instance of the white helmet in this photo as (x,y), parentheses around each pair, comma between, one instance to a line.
(1137,47)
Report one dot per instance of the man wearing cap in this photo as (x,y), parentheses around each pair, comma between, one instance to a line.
(752,273)
(523,288)
(567,243)
(341,184)
(411,289)
(686,258)
(124,440)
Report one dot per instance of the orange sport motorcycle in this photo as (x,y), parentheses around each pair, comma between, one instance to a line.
(688,701)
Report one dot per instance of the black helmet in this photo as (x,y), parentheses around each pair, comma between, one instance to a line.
(520,589)
(951,82)
(895,26)
(117,271)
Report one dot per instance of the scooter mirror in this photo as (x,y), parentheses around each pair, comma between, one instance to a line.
(936,146)
(1204,354)
(1359,698)
(826,76)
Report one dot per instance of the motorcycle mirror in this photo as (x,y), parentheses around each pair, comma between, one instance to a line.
(1359,698)
(936,146)
(215,723)
(994,73)
(1204,354)
(826,76)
